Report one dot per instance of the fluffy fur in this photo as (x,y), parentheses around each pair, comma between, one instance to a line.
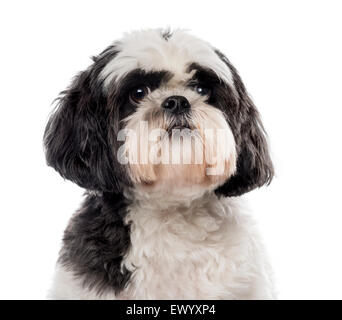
(150,227)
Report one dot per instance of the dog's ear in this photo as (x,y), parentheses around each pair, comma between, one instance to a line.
(254,165)
(77,137)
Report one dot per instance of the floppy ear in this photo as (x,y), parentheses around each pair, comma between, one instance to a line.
(254,165)
(77,137)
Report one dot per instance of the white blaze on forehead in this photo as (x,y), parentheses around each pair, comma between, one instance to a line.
(149,51)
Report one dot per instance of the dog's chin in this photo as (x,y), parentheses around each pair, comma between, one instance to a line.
(183,182)
(188,178)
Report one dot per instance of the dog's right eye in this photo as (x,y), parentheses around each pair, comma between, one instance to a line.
(138,93)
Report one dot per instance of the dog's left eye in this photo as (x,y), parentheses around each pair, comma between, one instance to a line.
(202,90)
(139,93)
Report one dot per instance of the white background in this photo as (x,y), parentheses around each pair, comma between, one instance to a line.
(289,55)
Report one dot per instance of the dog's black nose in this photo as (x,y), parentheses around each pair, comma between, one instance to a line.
(176,104)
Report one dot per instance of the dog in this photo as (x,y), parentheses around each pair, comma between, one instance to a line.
(163,136)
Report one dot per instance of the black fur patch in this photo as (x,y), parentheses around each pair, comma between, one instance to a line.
(96,241)
(119,96)
(254,164)
(203,75)
(78,137)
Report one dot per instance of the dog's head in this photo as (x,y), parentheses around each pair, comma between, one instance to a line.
(159,111)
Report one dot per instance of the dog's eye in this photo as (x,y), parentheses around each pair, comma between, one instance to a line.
(202,90)
(139,93)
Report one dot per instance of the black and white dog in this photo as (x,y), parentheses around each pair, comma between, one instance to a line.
(162,134)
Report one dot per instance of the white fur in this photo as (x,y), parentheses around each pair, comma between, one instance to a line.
(203,248)
(148,50)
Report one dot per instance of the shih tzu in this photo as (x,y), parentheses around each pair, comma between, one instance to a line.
(162,134)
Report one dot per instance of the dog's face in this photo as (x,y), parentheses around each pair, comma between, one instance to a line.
(159,111)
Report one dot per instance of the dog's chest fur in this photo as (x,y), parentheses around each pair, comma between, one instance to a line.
(208,249)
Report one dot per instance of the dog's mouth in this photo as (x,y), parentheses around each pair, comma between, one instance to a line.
(177,128)
(179,123)
(181,127)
